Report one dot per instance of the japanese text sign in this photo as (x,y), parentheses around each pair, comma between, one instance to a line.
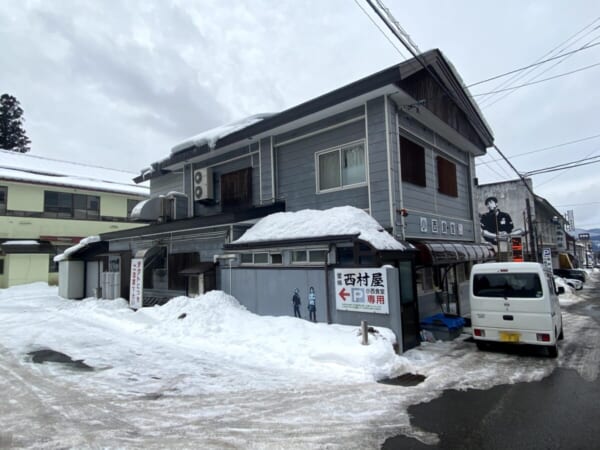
(361,290)
(136,285)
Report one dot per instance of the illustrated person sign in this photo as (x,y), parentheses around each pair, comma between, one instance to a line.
(496,223)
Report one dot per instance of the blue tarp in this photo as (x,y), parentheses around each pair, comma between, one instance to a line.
(449,321)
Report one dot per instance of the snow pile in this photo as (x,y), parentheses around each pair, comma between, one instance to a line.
(310,223)
(210,137)
(216,322)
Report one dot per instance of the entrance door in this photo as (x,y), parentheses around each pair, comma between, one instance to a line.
(409,306)
(196,285)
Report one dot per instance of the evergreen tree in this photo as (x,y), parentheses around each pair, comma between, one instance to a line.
(12,134)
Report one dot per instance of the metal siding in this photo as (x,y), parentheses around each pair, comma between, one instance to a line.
(269,291)
(166,183)
(296,171)
(265,170)
(378,162)
(316,127)
(427,201)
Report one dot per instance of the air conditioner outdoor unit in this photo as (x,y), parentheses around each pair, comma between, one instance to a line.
(203,184)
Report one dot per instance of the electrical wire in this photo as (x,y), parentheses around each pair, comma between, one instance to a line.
(568,165)
(513,88)
(562,55)
(380,30)
(518,155)
(558,47)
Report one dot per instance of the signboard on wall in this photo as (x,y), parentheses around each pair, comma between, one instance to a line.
(547,258)
(136,283)
(361,290)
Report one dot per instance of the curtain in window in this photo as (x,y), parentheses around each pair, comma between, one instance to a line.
(353,168)
(329,170)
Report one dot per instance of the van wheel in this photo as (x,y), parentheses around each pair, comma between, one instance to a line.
(553,351)
(481,345)
(561,336)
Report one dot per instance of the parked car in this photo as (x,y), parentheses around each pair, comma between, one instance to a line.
(577,274)
(516,303)
(575,284)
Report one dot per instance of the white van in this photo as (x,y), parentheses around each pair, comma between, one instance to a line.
(515,303)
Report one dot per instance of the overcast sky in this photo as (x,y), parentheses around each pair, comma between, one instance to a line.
(118,84)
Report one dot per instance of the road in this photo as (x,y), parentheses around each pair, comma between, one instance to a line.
(148,393)
(560,411)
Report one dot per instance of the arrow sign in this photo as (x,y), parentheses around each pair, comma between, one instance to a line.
(344,294)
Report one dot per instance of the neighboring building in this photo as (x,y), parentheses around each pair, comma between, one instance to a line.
(48,205)
(523,226)
(399,144)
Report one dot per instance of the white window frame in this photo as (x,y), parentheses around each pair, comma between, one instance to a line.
(339,149)
(308,261)
(261,263)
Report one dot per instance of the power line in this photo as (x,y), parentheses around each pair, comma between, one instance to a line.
(556,176)
(380,30)
(562,55)
(522,74)
(536,82)
(518,155)
(569,165)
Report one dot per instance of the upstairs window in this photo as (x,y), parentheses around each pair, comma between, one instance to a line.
(3,199)
(446,171)
(76,206)
(412,160)
(341,167)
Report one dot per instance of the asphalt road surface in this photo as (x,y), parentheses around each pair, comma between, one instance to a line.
(561,411)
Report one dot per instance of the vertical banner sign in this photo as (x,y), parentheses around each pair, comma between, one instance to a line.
(361,290)
(136,285)
(547,258)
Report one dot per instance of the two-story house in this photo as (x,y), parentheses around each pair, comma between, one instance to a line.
(48,205)
(399,144)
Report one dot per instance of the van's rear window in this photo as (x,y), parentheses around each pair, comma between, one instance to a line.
(507,285)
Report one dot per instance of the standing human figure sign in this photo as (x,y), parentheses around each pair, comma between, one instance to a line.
(312,304)
(296,302)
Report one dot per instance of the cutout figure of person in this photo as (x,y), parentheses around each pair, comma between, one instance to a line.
(312,304)
(495,222)
(296,302)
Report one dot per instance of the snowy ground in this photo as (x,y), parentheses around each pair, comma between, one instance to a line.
(206,373)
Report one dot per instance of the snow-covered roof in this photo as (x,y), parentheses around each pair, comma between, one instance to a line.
(310,223)
(210,137)
(82,244)
(36,169)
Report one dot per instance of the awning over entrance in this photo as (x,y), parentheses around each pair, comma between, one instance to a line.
(436,252)
(197,269)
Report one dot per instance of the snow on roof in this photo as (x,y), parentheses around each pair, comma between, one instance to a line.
(30,168)
(21,242)
(310,223)
(82,244)
(210,137)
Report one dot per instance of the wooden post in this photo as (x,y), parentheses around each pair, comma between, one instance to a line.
(365,332)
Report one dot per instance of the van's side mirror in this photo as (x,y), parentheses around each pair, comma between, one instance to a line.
(560,290)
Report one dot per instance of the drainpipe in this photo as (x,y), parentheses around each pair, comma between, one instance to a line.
(327,300)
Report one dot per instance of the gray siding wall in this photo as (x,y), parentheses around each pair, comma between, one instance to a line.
(378,161)
(296,171)
(166,183)
(427,202)
(266,172)
(269,292)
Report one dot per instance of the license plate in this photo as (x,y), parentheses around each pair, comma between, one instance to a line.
(509,337)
